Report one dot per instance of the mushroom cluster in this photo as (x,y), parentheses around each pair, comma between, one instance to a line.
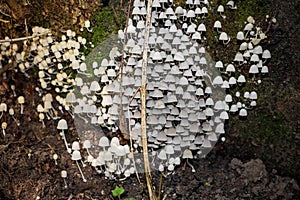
(57,62)
(189,96)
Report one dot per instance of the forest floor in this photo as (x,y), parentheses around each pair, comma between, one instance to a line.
(233,170)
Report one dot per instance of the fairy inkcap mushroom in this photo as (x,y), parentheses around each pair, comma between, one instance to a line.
(77,156)
(41,119)
(224,38)
(64,175)
(104,142)
(21,101)
(62,125)
(3,126)
(187,154)
(3,108)
(55,157)
(11,113)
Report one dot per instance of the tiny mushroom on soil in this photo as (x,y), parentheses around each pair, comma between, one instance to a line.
(62,125)
(21,100)
(11,113)
(55,157)
(3,126)
(64,175)
(187,154)
(77,156)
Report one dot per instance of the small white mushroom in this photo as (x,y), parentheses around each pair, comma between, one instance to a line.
(62,125)
(87,145)
(21,100)
(3,108)
(243,112)
(64,175)
(77,156)
(3,126)
(41,119)
(104,142)
(224,38)
(217,25)
(13,88)
(55,157)
(187,154)
(11,113)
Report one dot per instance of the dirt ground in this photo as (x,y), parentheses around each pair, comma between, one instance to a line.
(233,170)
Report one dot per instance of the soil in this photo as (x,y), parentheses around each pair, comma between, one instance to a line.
(230,171)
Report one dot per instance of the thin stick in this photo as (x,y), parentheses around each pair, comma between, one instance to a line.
(122,119)
(143,103)
(160,186)
(129,127)
(23,38)
(4,21)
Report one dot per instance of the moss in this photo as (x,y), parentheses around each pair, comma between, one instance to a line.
(267,134)
(105,23)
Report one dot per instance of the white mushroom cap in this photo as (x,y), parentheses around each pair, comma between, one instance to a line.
(217,24)
(230,68)
(253,103)
(3,107)
(162,155)
(187,154)
(76,155)
(253,95)
(94,86)
(62,124)
(266,54)
(70,98)
(248,27)
(87,144)
(104,142)
(253,69)
(223,37)
(21,100)
(206,143)
(220,9)
(243,112)
(64,174)
(240,36)
(201,28)
(75,145)
(265,69)
(239,57)
(212,137)
(219,64)
(218,80)
(241,79)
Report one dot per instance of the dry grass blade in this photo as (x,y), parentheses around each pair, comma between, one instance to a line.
(143,102)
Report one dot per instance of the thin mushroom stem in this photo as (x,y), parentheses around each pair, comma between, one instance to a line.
(87,150)
(193,169)
(83,178)
(22,109)
(65,141)
(18,124)
(84,119)
(225,43)
(65,182)
(83,164)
